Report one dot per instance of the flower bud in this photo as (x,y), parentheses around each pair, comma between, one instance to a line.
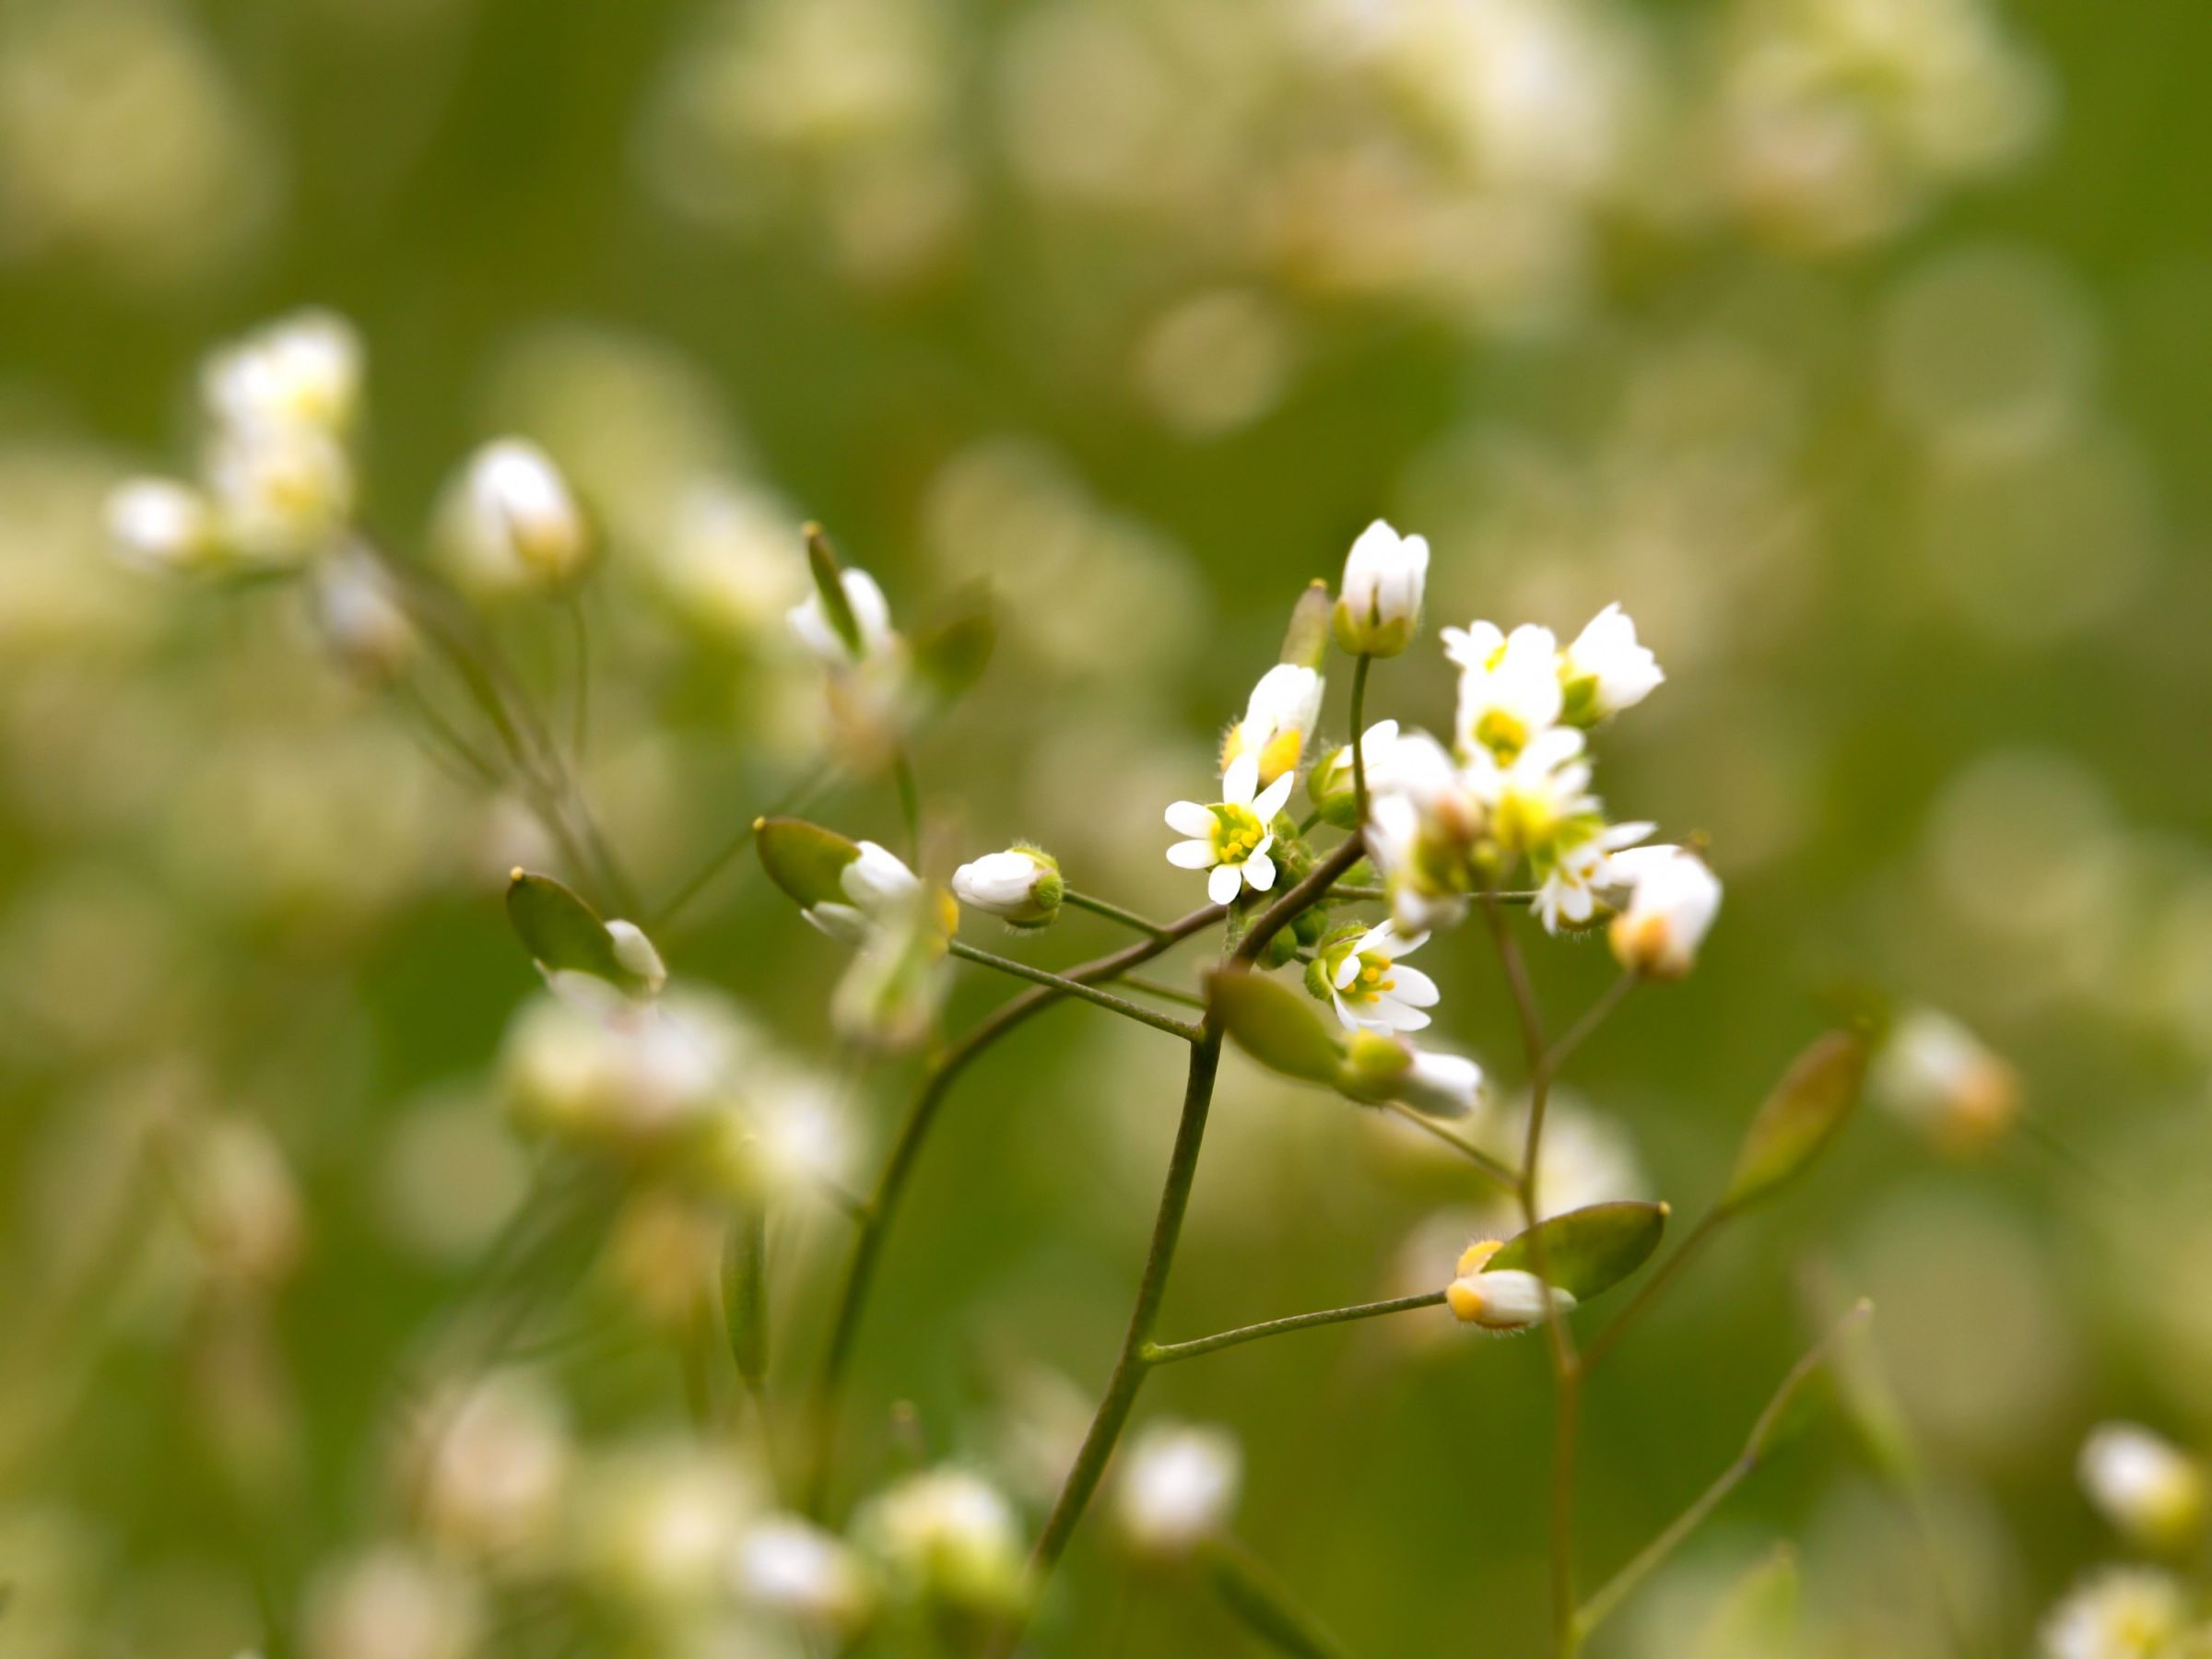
(949,1537)
(1022,886)
(521,511)
(1938,1075)
(391,1600)
(1606,670)
(1506,1300)
(2143,1484)
(1278,718)
(789,1566)
(1379,1066)
(1380,608)
(360,615)
(1306,641)
(159,524)
(1332,786)
(846,619)
(1178,1484)
(1673,899)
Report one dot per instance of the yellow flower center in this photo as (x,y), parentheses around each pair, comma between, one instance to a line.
(1236,833)
(1504,735)
(1372,980)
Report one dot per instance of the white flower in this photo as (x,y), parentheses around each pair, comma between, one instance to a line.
(792,1567)
(1935,1072)
(520,511)
(636,954)
(947,1533)
(1178,1484)
(160,524)
(2117,1613)
(1426,826)
(392,1603)
(301,373)
(494,1461)
(1575,865)
(1606,670)
(359,611)
(1536,792)
(1505,1299)
(1022,884)
(1231,836)
(1369,988)
(872,883)
(1440,1084)
(1509,686)
(281,494)
(2144,1485)
(1278,718)
(1673,899)
(810,621)
(1378,605)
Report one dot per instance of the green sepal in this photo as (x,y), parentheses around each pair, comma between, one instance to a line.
(1587,1250)
(803,859)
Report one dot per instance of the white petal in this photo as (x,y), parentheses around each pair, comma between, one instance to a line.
(1346,970)
(1347,1013)
(1222,885)
(1241,780)
(1272,798)
(1388,1014)
(1192,855)
(1259,870)
(1188,817)
(1412,986)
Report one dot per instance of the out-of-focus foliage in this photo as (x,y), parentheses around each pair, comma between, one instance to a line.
(1860,347)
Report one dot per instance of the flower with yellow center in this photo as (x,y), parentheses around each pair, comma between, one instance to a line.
(1361,974)
(1508,686)
(1533,797)
(1231,836)
(1278,718)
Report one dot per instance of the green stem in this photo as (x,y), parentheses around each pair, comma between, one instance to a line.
(1357,895)
(1493,1167)
(580,633)
(1262,1600)
(1152,987)
(1112,912)
(1168,1353)
(875,1220)
(1617,1589)
(792,801)
(910,803)
(1359,667)
(1104,999)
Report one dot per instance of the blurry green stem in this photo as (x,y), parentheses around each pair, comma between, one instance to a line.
(1262,1600)
(1152,987)
(1112,912)
(572,602)
(1104,999)
(890,1186)
(1359,667)
(792,801)
(1617,1589)
(1167,1353)
(909,802)
(1473,1153)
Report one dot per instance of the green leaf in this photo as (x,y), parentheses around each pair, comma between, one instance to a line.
(1590,1250)
(1280,1028)
(806,860)
(953,652)
(562,934)
(1797,1121)
(745,1292)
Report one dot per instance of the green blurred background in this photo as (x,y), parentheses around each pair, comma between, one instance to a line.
(1862,352)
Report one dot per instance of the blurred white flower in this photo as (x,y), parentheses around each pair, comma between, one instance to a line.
(895,984)
(659,1523)
(1379,603)
(490,1468)
(871,613)
(1938,1076)
(1178,1483)
(301,372)
(1363,979)
(391,1604)
(792,1567)
(359,611)
(1278,718)
(511,523)
(874,882)
(1606,670)
(2117,1612)
(1533,795)
(1576,864)
(1673,898)
(282,494)
(1022,885)
(160,524)
(1508,686)
(946,1534)
(2143,1484)
(1232,838)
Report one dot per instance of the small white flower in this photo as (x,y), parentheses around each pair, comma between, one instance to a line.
(1378,605)
(160,524)
(1278,718)
(389,1600)
(947,1533)
(1371,988)
(872,883)
(1576,865)
(1673,899)
(1509,686)
(1938,1074)
(359,614)
(2143,1484)
(518,502)
(1231,836)
(1536,793)
(792,1567)
(810,621)
(282,494)
(301,373)
(1505,1299)
(636,954)
(1606,670)
(1021,885)
(1178,1484)
(2117,1613)
(1440,1084)
(1426,826)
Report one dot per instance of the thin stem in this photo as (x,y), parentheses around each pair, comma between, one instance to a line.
(1112,912)
(1359,667)
(1300,899)
(1167,1353)
(580,633)
(1493,1167)
(909,802)
(1104,999)
(792,801)
(1595,1015)
(444,738)
(890,1186)
(1152,987)
(1266,1605)
(1649,1291)
(1617,1589)
(1357,895)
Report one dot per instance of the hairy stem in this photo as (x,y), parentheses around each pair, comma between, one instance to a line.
(1167,1353)
(1070,987)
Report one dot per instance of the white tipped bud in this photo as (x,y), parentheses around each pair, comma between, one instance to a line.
(788,1566)
(1022,886)
(520,504)
(1606,670)
(810,621)
(1505,1299)
(159,524)
(1379,606)
(1673,899)
(1278,718)
(2117,1612)
(948,1536)
(1381,1066)
(1178,1484)
(359,614)
(874,882)
(2143,1484)
(636,954)
(1938,1075)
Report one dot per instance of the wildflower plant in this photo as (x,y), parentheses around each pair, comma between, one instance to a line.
(686,1130)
